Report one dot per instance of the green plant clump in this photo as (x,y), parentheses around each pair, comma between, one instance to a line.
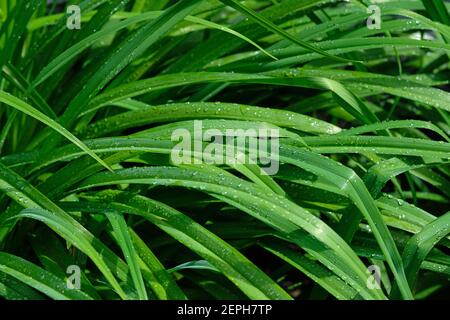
(98,98)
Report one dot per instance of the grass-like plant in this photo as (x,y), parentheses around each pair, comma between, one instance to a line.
(92,205)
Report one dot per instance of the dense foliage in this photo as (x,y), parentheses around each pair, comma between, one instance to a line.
(358,91)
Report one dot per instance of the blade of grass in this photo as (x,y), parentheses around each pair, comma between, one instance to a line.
(29,110)
(122,235)
(38,278)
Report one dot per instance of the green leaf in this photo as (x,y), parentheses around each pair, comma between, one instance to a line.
(270,26)
(38,278)
(252,281)
(29,110)
(122,235)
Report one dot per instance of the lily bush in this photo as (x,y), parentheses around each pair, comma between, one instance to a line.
(96,98)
